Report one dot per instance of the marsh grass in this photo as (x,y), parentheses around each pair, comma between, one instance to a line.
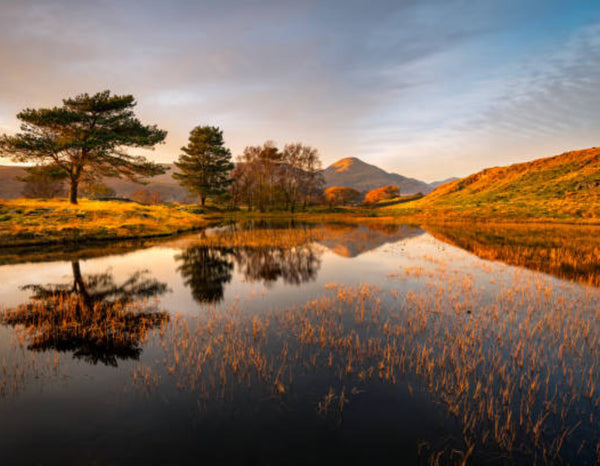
(35,221)
(516,369)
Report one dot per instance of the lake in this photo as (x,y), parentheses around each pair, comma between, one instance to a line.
(293,343)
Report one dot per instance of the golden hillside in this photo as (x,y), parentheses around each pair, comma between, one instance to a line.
(564,187)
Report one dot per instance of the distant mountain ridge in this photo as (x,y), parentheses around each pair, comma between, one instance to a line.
(169,189)
(435,184)
(349,172)
(352,172)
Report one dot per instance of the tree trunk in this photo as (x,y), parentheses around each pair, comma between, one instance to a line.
(202,200)
(73,191)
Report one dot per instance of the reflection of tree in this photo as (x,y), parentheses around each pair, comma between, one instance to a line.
(294,265)
(205,270)
(94,317)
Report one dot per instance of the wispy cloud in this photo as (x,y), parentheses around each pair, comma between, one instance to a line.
(429,89)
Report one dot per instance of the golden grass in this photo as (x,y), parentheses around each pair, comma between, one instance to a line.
(26,221)
(517,372)
(563,188)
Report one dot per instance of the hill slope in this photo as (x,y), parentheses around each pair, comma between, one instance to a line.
(169,189)
(562,187)
(354,173)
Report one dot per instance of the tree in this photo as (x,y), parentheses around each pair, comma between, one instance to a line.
(87,138)
(382,194)
(205,164)
(267,178)
(301,176)
(340,195)
(256,176)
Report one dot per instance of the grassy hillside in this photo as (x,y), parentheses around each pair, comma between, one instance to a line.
(565,187)
(24,222)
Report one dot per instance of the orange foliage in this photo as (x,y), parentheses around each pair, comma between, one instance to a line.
(339,195)
(382,194)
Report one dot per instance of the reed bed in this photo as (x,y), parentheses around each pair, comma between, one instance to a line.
(516,369)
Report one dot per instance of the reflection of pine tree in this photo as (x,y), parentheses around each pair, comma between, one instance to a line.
(93,316)
(205,270)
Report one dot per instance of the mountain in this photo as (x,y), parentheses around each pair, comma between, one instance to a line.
(354,173)
(562,187)
(168,188)
(435,184)
(10,187)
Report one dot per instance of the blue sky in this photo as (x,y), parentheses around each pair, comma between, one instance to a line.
(429,89)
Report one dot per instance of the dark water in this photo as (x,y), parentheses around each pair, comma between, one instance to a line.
(262,344)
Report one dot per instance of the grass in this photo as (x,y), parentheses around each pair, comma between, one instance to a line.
(33,221)
(563,188)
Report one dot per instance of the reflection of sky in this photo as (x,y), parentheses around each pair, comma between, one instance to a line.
(429,89)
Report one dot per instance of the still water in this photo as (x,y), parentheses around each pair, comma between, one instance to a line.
(305,344)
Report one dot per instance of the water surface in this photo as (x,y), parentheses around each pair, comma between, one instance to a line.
(295,344)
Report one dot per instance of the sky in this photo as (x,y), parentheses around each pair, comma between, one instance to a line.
(427,89)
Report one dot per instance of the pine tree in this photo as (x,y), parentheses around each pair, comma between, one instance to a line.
(205,165)
(85,139)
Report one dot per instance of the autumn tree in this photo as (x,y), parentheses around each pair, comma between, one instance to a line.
(340,195)
(87,138)
(205,165)
(382,194)
(267,178)
(301,176)
(257,175)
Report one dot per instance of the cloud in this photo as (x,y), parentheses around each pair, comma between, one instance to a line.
(410,85)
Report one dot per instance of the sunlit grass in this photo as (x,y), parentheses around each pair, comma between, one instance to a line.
(31,221)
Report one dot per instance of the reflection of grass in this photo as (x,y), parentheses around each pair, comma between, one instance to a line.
(517,371)
(564,251)
(52,221)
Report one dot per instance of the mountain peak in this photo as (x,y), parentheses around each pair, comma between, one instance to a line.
(345,164)
(352,172)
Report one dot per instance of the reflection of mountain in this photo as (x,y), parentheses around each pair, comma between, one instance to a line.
(205,270)
(349,240)
(565,251)
(93,317)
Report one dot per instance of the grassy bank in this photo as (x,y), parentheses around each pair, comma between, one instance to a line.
(27,221)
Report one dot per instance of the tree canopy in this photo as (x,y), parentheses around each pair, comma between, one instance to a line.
(86,138)
(382,194)
(205,165)
(267,178)
(340,195)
